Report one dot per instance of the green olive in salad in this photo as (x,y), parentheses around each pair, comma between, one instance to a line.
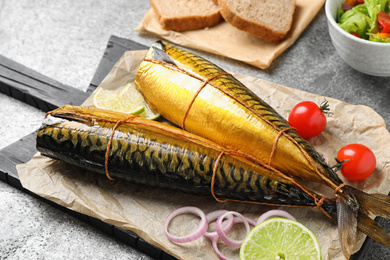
(366,19)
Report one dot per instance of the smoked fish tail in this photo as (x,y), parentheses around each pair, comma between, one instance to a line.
(376,204)
(373,204)
(349,220)
(371,228)
(158,155)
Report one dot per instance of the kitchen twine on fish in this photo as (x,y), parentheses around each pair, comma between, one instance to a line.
(109,144)
(317,202)
(117,123)
(197,93)
(276,142)
(223,150)
(339,187)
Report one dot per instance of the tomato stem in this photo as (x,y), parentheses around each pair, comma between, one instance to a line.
(339,164)
(324,107)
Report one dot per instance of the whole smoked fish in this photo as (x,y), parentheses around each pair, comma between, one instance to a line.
(152,153)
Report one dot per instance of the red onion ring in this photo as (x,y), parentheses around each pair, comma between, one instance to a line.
(191,237)
(274,213)
(213,215)
(216,249)
(221,233)
(251,222)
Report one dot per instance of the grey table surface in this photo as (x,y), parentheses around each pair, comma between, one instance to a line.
(65,40)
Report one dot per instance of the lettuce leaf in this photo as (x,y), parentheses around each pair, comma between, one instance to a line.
(373,8)
(355,21)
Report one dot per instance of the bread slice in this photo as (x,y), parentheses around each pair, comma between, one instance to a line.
(186,15)
(269,20)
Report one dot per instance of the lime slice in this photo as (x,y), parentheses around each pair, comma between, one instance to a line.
(127,101)
(135,96)
(280,238)
(149,113)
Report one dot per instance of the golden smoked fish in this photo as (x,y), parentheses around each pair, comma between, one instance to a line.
(202,98)
(224,110)
(159,155)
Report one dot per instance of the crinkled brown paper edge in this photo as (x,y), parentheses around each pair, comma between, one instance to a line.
(226,40)
(143,210)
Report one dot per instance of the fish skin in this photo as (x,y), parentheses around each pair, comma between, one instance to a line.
(169,78)
(155,154)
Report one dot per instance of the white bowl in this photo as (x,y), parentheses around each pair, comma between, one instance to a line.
(372,58)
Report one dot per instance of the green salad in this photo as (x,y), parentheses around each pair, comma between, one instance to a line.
(366,19)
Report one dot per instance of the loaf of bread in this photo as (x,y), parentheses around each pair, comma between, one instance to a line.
(269,20)
(186,15)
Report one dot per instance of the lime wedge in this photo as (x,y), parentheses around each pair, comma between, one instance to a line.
(131,94)
(129,100)
(125,101)
(149,113)
(280,238)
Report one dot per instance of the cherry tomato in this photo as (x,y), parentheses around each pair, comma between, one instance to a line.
(360,162)
(308,118)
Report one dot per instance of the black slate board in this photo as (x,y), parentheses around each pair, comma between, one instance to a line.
(35,89)
(42,92)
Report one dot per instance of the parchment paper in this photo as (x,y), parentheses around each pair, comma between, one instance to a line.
(143,209)
(226,40)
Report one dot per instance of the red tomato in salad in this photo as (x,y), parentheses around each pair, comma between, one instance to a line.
(355,34)
(360,161)
(384,22)
(308,118)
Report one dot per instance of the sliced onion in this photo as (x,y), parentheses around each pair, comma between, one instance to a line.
(274,213)
(221,233)
(226,225)
(216,249)
(191,237)
(251,222)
